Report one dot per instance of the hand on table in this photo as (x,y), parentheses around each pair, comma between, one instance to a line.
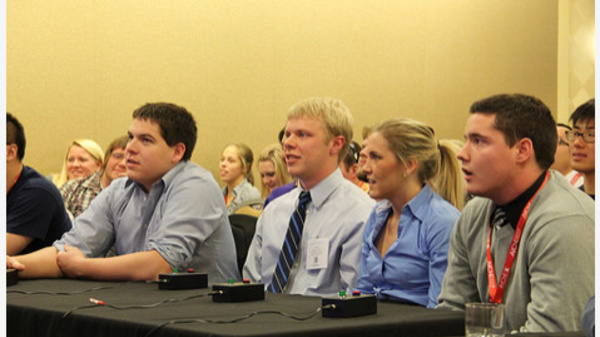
(70,260)
(12,263)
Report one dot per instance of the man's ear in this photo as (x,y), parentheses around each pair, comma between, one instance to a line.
(179,151)
(337,143)
(524,150)
(353,169)
(11,152)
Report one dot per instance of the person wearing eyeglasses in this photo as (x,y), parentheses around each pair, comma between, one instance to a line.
(582,146)
(562,157)
(362,157)
(79,193)
(349,166)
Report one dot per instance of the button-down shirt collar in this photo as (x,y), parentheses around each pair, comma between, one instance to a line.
(323,190)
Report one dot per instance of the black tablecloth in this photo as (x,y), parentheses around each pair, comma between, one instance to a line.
(70,314)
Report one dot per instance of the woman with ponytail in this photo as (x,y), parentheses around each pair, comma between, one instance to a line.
(405,242)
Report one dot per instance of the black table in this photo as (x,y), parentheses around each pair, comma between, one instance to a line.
(63,315)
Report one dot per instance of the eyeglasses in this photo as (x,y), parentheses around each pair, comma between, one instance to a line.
(118,156)
(562,142)
(588,136)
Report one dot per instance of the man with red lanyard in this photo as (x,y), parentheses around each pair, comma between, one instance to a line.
(527,241)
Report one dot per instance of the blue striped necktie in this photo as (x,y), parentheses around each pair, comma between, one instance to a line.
(290,245)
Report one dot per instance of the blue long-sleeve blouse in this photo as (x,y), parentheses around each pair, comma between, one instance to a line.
(414,266)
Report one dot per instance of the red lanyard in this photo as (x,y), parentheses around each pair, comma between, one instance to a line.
(497,290)
(575,178)
(15,182)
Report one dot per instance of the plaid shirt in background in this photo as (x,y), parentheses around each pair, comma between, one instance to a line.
(79,193)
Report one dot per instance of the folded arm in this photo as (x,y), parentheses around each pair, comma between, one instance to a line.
(39,264)
(132,267)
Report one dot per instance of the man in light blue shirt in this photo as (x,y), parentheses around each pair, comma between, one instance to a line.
(168,214)
(317,135)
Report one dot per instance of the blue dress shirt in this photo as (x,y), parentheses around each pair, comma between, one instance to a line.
(337,213)
(414,266)
(183,218)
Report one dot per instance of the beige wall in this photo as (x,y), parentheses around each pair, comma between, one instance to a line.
(576,56)
(79,68)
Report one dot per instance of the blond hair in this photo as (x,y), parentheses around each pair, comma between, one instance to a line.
(90,147)
(454,180)
(412,140)
(246,157)
(273,153)
(335,116)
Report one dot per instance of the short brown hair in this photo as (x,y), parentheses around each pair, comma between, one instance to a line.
(119,143)
(176,124)
(521,116)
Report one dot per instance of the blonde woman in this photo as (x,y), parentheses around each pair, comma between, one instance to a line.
(406,238)
(235,169)
(272,169)
(79,193)
(84,157)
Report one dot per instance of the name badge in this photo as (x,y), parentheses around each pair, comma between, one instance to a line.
(318,251)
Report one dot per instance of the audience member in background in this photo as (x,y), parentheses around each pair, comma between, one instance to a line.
(582,149)
(285,188)
(349,166)
(35,214)
(527,240)
(582,146)
(362,158)
(272,169)
(405,243)
(236,172)
(84,157)
(325,214)
(168,214)
(79,193)
(562,157)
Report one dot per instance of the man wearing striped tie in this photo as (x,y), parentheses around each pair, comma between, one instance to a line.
(308,241)
(527,240)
